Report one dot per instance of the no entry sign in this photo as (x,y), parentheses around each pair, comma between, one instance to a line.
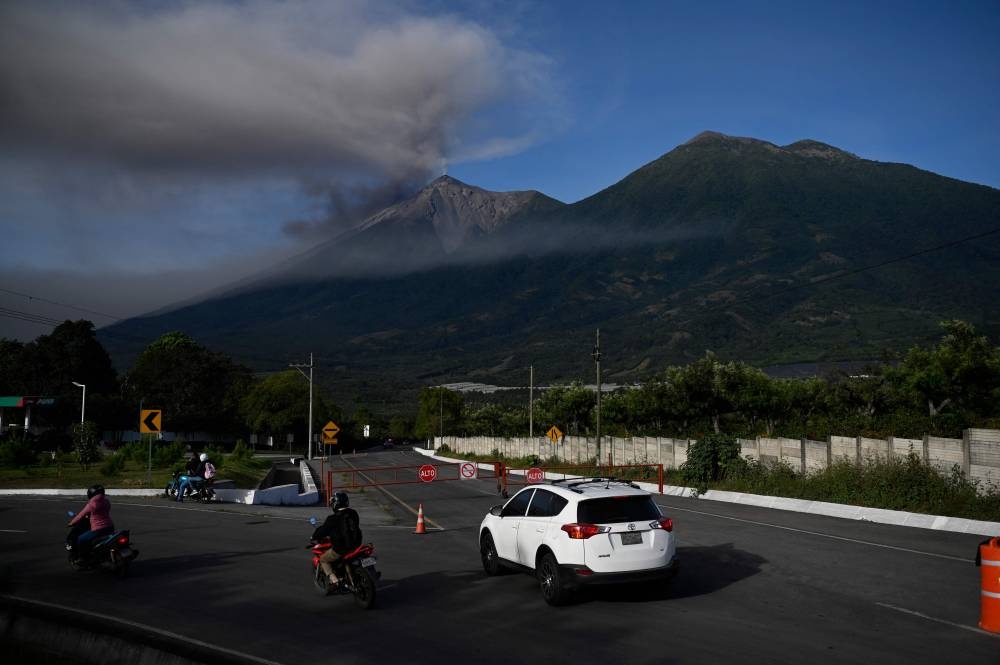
(427,473)
(535,475)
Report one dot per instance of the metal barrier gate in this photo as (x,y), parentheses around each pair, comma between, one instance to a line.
(361,477)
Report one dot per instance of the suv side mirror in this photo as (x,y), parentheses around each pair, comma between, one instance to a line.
(495,510)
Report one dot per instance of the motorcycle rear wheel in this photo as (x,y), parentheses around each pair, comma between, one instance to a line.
(364,588)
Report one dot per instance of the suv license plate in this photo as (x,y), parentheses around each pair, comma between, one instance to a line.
(631,538)
(368,562)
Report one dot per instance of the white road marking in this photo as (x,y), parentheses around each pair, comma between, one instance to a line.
(142,626)
(824,535)
(12,531)
(971,629)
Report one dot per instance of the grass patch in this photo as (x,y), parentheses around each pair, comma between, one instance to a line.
(905,484)
(120,473)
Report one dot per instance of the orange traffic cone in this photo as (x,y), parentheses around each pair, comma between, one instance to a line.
(420,519)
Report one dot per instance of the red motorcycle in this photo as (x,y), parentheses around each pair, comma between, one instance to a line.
(355,570)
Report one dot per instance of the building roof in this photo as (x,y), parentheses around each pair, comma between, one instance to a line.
(21,401)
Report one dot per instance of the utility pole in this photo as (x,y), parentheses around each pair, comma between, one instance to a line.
(310,377)
(441,413)
(531,401)
(597,360)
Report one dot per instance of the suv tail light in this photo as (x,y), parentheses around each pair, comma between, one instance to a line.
(584,531)
(664,523)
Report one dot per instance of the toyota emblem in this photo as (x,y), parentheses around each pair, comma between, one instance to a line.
(631,527)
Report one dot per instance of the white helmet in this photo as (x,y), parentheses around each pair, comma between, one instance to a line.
(204,457)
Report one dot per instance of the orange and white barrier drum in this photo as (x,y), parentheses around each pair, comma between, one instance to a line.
(989,595)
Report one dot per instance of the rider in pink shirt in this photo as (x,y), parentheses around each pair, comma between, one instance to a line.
(98,509)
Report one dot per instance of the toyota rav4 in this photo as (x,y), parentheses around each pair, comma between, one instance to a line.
(579,532)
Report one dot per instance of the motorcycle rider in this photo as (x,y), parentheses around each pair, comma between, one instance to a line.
(343,528)
(98,509)
(198,477)
(191,468)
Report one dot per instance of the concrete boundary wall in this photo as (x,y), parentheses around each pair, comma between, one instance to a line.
(977,453)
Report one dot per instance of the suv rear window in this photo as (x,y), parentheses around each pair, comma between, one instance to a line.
(612,509)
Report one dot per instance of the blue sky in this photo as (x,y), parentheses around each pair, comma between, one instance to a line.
(155,150)
(907,82)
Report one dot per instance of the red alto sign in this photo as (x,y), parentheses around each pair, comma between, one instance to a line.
(427,473)
(535,475)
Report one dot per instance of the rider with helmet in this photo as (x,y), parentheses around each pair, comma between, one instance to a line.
(343,528)
(98,510)
(198,476)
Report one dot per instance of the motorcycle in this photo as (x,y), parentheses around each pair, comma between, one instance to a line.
(355,570)
(113,551)
(196,488)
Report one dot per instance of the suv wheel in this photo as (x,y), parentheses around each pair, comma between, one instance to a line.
(550,581)
(488,554)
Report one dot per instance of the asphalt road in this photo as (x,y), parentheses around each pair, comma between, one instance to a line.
(756,585)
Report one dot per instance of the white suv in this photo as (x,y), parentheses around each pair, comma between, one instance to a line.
(577,532)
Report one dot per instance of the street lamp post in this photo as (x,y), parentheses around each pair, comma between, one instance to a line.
(83,402)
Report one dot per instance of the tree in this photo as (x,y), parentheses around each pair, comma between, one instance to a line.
(50,364)
(85,437)
(570,407)
(962,371)
(279,405)
(440,410)
(197,389)
(710,386)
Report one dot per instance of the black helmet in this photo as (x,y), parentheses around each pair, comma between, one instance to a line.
(94,490)
(340,500)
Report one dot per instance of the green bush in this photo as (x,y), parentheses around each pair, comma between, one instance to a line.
(167,454)
(113,465)
(710,458)
(241,451)
(906,484)
(16,452)
(216,456)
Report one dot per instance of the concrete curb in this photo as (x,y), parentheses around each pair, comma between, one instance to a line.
(876,515)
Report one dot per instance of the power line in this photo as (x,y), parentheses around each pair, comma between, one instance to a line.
(61,304)
(29,317)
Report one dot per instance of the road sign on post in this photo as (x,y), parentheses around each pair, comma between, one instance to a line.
(367,430)
(427,473)
(554,434)
(330,433)
(150,421)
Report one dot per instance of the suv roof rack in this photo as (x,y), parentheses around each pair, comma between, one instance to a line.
(573,483)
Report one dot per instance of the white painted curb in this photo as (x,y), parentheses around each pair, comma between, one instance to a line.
(877,515)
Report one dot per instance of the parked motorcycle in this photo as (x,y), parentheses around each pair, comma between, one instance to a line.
(113,551)
(196,488)
(355,570)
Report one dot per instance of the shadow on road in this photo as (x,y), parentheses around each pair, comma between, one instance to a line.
(703,570)
(186,563)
